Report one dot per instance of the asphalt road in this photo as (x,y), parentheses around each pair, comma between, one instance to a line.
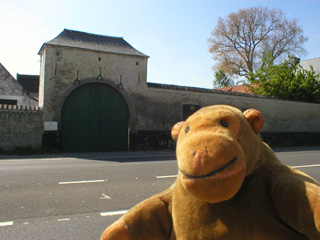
(77,196)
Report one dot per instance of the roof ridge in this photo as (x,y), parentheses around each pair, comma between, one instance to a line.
(29,75)
(205,90)
(95,42)
(93,34)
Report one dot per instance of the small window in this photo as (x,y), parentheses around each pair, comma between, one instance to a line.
(8,101)
(188,110)
(137,63)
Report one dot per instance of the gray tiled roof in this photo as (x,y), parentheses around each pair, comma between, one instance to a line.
(29,82)
(204,90)
(71,38)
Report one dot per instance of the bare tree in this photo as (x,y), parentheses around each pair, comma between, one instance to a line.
(242,40)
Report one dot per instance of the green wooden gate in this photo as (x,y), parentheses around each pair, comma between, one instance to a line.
(94,119)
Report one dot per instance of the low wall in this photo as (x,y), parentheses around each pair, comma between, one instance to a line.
(159,107)
(20,126)
(162,106)
(287,123)
(157,140)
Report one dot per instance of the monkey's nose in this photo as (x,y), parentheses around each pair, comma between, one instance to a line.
(199,154)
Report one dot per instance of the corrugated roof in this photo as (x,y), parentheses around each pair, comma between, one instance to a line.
(204,90)
(77,39)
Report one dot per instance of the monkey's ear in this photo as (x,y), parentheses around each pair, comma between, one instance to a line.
(255,119)
(176,130)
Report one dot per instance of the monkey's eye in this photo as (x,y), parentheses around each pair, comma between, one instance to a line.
(224,123)
(187,129)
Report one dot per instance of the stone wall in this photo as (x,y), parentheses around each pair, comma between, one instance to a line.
(286,122)
(155,108)
(61,66)
(20,126)
(159,108)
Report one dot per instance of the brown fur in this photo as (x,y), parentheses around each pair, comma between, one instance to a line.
(230,185)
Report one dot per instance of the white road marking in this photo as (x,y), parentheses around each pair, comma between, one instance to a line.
(84,181)
(63,219)
(4,224)
(306,166)
(105,196)
(63,158)
(114,213)
(133,156)
(168,176)
(38,159)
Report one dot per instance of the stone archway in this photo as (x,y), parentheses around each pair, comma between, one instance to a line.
(94,118)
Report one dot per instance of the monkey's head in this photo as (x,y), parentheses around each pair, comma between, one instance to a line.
(217,147)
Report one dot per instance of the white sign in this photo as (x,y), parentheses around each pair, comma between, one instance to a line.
(51,126)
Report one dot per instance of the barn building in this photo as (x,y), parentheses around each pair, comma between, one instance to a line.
(12,91)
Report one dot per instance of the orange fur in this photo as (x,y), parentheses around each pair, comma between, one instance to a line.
(230,185)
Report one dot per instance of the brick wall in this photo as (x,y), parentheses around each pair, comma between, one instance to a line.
(20,126)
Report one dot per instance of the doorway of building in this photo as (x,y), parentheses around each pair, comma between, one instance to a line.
(94,118)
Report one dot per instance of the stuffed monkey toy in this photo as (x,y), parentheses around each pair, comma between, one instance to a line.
(230,185)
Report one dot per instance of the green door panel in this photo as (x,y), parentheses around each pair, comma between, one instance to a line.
(94,119)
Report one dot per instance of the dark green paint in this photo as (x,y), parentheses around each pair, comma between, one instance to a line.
(94,119)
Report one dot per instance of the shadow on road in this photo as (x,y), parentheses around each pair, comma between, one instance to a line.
(104,156)
(131,156)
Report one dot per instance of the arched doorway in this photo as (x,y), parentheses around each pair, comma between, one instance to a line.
(94,118)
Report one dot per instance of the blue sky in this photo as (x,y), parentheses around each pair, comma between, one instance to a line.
(173,33)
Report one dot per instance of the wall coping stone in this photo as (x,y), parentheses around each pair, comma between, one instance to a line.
(218,91)
(204,90)
(19,107)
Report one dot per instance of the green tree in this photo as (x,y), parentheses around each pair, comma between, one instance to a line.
(240,42)
(287,80)
(221,79)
